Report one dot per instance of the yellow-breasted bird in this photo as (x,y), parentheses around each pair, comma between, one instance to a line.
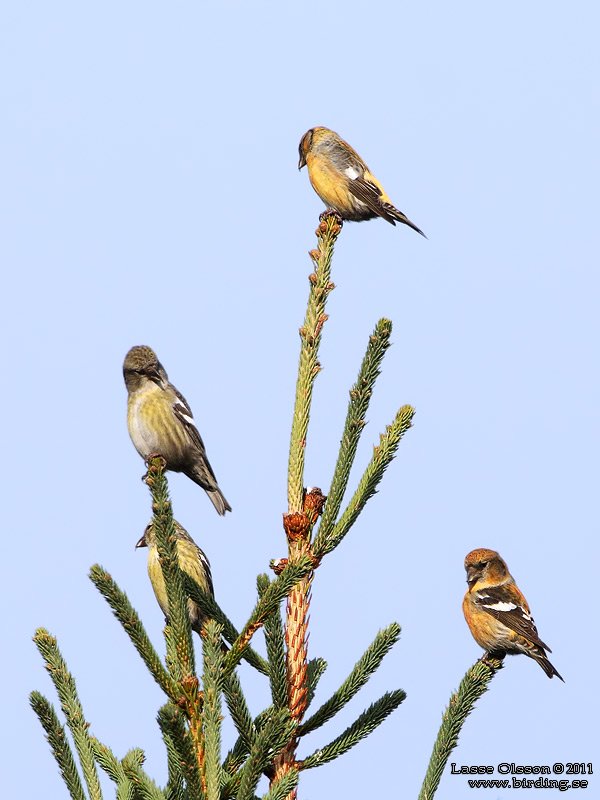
(191,561)
(343,181)
(497,612)
(160,422)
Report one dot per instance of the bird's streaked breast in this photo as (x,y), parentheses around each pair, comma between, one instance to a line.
(153,427)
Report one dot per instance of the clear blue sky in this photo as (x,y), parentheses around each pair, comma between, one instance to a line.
(150,195)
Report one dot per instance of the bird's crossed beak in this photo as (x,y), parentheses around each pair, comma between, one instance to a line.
(473,576)
(141,543)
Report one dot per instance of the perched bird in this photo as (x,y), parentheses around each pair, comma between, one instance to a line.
(342,179)
(160,422)
(498,614)
(191,561)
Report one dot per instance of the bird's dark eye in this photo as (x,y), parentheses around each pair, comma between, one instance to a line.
(483,564)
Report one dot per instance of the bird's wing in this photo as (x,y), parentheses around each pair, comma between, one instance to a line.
(500,603)
(344,159)
(369,194)
(184,414)
(207,572)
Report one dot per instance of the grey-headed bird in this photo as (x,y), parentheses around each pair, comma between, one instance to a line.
(343,181)
(160,422)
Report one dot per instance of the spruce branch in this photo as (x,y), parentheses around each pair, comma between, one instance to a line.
(178,633)
(296,639)
(64,684)
(107,760)
(211,609)
(283,786)
(238,708)
(276,732)
(237,755)
(233,761)
(145,788)
(193,710)
(382,456)
(360,396)
(191,721)
(314,669)
(275,642)
(134,756)
(172,723)
(267,605)
(57,738)
(125,791)
(309,367)
(362,727)
(129,619)
(472,686)
(213,683)
(114,769)
(172,726)
(364,668)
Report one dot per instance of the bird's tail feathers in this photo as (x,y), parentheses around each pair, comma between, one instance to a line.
(218,500)
(548,668)
(393,212)
(203,475)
